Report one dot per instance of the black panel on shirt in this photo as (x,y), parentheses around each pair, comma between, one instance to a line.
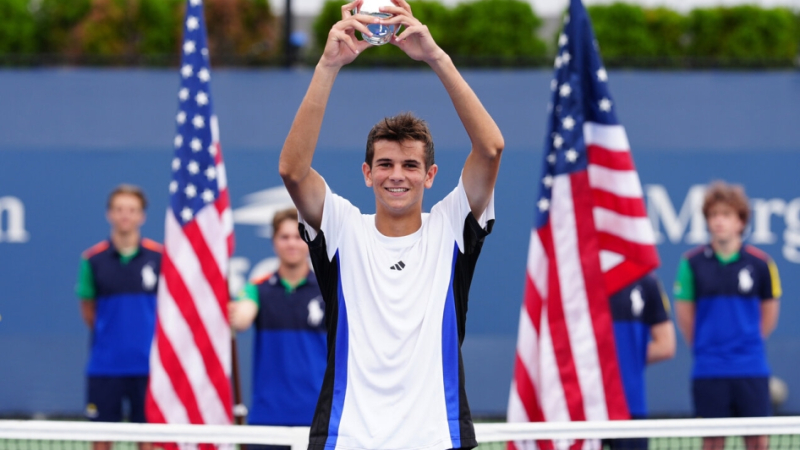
(279,310)
(327,273)
(474,236)
(112,277)
(712,278)
(653,309)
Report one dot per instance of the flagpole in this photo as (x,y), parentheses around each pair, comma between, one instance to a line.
(239,409)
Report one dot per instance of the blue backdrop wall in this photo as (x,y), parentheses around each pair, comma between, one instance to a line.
(67,137)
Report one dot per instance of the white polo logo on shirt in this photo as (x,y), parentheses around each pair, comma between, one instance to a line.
(315,312)
(149,278)
(745,281)
(637,302)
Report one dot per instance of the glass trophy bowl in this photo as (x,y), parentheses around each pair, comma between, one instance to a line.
(381,34)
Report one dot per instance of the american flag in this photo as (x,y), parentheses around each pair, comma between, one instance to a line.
(190,361)
(591,238)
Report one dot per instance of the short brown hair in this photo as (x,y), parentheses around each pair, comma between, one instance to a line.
(127,189)
(282,216)
(730,194)
(402,127)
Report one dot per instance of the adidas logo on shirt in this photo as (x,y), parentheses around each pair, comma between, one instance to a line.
(399,266)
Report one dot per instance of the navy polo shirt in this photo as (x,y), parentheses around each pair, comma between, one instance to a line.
(290,351)
(728,295)
(635,309)
(123,288)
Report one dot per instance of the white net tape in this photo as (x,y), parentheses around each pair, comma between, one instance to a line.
(297,437)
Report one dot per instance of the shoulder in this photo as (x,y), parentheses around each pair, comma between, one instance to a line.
(152,245)
(96,249)
(261,280)
(697,252)
(756,253)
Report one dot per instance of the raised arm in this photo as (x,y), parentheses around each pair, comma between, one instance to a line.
(483,162)
(304,184)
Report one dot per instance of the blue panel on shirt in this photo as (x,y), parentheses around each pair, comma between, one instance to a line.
(287,376)
(727,340)
(123,333)
(125,309)
(635,309)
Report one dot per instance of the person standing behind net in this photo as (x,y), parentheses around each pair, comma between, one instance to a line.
(643,334)
(117,287)
(726,306)
(395,283)
(290,347)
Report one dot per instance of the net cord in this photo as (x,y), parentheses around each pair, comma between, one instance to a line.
(297,437)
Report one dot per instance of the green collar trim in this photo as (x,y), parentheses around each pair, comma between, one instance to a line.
(728,260)
(291,288)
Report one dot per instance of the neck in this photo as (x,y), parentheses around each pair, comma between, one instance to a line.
(293,274)
(125,242)
(728,247)
(398,226)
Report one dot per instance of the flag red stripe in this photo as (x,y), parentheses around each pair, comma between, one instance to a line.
(527,391)
(208,265)
(597,298)
(641,254)
(610,159)
(177,376)
(202,340)
(627,206)
(223,202)
(560,335)
(533,304)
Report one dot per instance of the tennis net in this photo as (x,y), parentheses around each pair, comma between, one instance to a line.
(782,433)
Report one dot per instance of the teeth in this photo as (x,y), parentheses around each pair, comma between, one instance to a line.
(397,190)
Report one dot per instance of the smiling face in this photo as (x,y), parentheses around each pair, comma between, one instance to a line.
(398,177)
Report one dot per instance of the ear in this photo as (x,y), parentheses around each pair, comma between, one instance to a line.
(367,170)
(432,171)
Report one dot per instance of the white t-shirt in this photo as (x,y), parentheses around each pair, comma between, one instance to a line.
(396,311)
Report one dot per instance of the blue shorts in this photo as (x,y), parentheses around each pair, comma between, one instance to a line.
(731,397)
(105,397)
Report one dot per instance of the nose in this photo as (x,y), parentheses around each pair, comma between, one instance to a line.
(397,173)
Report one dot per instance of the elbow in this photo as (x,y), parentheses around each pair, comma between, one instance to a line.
(289,173)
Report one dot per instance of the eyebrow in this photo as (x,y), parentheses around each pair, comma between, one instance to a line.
(405,161)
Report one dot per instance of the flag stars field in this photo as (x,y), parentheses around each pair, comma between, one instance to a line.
(565,90)
(568,123)
(178,141)
(192,23)
(201,98)
(605,105)
(183,94)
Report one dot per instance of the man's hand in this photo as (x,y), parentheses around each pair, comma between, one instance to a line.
(416,40)
(342,46)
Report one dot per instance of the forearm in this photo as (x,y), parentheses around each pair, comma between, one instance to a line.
(769,316)
(685,316)
(662,344)
(298,149)
(88,312)
(486,138)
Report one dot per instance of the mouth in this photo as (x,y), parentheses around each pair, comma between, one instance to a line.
(397,190)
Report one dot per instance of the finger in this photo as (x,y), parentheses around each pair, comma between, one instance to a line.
(420,30)
(403,4)
(399,19)
(349,41)
(347,10)
(357,23)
